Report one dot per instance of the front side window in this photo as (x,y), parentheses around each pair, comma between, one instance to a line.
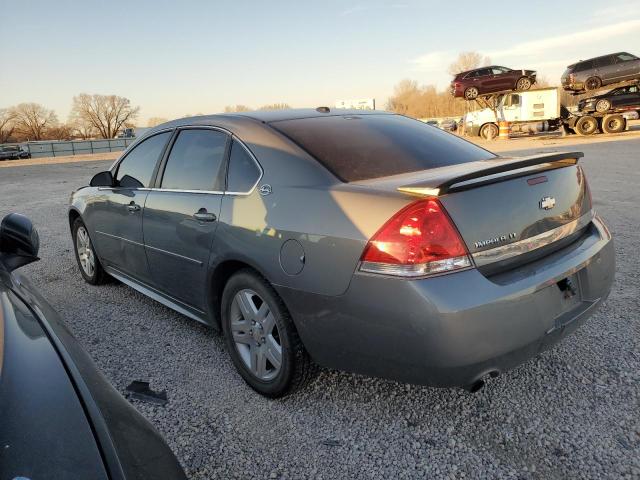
(195,160)
(500,70)
(136,169)
(625,57)
(243,171)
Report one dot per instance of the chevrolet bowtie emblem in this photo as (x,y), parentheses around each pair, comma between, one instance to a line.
(547,203)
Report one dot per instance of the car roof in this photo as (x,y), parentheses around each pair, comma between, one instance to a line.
(596,58)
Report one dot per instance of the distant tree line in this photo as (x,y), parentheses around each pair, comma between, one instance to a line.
(92,116)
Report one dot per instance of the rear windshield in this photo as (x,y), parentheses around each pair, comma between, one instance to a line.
(363,147)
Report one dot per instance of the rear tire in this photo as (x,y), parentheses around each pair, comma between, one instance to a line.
(523,83)
(614,123)
(261,338)
(471,93)
(489,131)
(586,125)
(88,262)
(592,83)
(603,106)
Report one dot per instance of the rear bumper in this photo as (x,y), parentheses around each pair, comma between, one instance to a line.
(454,329)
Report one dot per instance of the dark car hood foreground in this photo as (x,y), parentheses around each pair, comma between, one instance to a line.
(59,417)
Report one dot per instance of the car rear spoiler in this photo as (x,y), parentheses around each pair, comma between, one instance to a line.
(448,179)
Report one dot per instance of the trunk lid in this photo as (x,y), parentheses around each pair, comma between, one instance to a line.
(529,202)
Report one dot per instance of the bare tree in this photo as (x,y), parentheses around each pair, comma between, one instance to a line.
(7,124)
(155,121)
(423,101)
(33,120)
(468,61)
(275,106)
(106,113)
(236,108)
(62,131)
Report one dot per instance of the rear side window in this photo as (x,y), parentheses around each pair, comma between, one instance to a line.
(586,65)
(605,61)
(195,160)
(243,171)
(362,147)
(136,169)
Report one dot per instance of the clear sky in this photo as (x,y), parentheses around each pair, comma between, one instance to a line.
(187,57)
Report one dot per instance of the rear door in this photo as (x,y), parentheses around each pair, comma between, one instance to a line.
(503,78)
(181,214)
(607,69)
(485,80)
(115,217)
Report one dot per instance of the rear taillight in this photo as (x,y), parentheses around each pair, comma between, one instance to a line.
(572,77)
(419,240)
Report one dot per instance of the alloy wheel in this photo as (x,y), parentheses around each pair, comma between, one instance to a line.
(602,106)
(471,93)
(85,252)
(256,335)
(523,84)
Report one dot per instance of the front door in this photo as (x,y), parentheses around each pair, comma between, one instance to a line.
(628,66)
(181,214)
(116,220)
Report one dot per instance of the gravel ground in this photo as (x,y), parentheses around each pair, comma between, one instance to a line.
(572,412)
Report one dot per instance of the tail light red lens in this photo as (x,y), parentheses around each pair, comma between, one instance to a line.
(419,240)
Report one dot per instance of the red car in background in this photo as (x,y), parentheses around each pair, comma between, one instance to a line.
(491,79)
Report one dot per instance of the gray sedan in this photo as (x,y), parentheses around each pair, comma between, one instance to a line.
(362,241)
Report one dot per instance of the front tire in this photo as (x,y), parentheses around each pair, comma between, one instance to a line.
(88,261)
(261,338)
(603,105)
(489,131)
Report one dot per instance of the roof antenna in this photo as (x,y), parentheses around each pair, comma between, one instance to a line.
(323,109)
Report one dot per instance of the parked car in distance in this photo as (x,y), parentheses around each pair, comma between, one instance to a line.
(433,123)
(59,417)
(484,80)
(13,152)
(363,241)
(597,72)
(449,124)
(620,98)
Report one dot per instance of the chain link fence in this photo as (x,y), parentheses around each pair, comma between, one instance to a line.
(75,147)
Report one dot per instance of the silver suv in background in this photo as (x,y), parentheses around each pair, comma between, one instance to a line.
(600,71)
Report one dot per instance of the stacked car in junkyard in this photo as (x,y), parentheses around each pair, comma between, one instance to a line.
(612,81)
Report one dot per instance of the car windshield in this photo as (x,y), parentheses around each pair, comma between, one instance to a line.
(362,147)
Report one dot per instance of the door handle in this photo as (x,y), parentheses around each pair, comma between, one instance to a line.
(203,216)
(133,207)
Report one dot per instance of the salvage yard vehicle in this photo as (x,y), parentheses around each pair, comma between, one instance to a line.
(59,417)
(13,152)
(594,73)
(622,98)
(480,81)
(358,240)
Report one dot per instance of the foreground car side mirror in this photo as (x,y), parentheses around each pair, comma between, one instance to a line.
(102,179)
(19,241)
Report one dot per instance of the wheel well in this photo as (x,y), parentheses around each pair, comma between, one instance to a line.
(73,214)
(218,279)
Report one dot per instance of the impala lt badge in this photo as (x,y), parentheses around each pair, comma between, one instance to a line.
(547,203)
(508,237)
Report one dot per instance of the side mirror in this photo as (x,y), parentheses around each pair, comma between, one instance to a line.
(19,241)
(102,179)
